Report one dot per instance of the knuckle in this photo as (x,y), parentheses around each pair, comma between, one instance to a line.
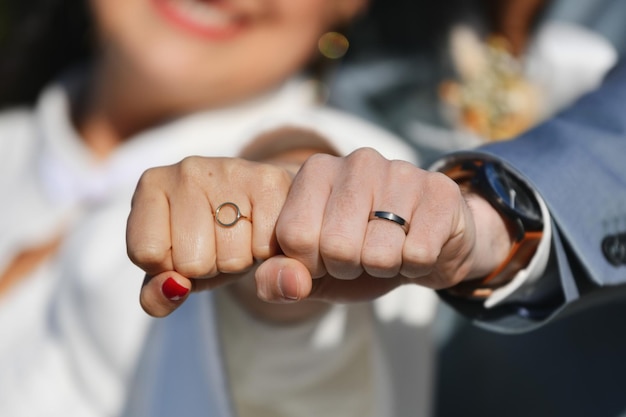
(405,172)
(189,170)
(420,256)
(149,178)
(233,265)
(264,251)
(195,268)
(270,180)
(189,164)
(317,161)
(364,159)
(377,257)
(365,155)
(339,249)
(147,256)
(296,239)
(151,175)
(381,264)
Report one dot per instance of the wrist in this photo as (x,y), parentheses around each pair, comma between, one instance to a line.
(514,202)
(493,236)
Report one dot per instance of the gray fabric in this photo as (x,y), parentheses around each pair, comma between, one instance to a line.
(174,363)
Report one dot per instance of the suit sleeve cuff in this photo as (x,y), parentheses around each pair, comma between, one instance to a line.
(524,280)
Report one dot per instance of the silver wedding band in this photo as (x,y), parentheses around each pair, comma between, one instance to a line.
(387,215)
(238,215)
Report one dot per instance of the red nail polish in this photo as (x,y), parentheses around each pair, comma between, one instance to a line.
(173,290)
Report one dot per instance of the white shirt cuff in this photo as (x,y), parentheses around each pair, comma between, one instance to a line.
(535,268)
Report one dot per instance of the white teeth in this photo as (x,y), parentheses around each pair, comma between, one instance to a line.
(203,13)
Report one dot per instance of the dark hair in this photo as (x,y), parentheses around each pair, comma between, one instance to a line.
(39,39)
(402,27)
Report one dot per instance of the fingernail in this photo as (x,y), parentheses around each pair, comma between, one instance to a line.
(172,290)
(288,285)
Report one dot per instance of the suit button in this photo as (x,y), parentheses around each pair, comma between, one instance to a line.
(614,249)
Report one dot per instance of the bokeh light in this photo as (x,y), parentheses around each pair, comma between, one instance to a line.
(333,45)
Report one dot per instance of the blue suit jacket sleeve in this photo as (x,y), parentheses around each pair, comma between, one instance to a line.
(577,163)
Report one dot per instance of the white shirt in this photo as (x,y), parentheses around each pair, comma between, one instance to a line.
(71,333)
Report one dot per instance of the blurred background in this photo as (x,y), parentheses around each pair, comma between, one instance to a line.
(401,54)
(403,50)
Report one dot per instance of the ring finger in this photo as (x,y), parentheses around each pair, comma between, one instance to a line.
(232,223)
(389,222)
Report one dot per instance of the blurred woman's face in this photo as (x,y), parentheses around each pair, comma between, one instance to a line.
(201,53)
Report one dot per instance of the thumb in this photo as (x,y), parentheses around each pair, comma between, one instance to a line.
(161,294)
(283,280)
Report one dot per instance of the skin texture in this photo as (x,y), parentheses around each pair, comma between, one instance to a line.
(324,254)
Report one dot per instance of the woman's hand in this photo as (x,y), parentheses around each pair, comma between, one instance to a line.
(173,236)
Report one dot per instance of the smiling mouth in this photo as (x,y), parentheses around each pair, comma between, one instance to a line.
(206,18)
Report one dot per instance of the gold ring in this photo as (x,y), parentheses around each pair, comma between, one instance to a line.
(387,215)
(238,215)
